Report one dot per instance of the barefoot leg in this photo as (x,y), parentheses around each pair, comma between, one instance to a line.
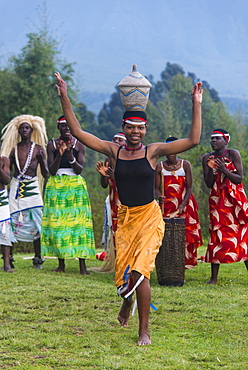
(82,267)
(143,293)
(6,258)
(124,312)
(214,273)
(61,266)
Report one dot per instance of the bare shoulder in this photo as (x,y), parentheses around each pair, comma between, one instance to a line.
(159,165)
(205,156)
(234,152)
(186,164)
(51,142)
(79,145)
(51,145)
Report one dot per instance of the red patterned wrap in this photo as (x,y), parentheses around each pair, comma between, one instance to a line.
(228,208)
(174,191)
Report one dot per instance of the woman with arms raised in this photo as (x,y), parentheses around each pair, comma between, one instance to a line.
(140,225)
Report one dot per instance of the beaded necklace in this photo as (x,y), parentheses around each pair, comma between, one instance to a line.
(28,161)
(133,149)
(222,155)
(172,168)
(66,142)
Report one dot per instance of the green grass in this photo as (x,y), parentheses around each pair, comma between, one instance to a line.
(68,321)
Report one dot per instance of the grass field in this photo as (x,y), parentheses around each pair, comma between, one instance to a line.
(68,321)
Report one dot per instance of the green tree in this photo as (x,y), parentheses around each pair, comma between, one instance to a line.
(33,85)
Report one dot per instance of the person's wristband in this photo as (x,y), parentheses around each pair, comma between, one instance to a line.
(73,161)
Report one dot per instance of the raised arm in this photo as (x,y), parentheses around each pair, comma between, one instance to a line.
(158,150)
(106,147)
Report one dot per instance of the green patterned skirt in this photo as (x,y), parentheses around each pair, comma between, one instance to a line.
(67,229)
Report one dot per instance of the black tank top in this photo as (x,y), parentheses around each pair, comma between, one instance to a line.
(134,180)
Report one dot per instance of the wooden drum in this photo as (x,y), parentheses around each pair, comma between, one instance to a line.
(170,261)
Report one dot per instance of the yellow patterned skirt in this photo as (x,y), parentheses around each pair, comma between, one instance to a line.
(139,235)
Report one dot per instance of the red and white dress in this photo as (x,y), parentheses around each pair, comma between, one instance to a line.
(228,208)
(174,192)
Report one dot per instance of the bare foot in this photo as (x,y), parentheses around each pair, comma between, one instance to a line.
(8,270)
(124,312)
(58,269)
(144,340)
(84,272)
(211,281)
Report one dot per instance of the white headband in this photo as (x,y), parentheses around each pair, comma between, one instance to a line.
(63,120)
(225,136)
(120,136)
(135,123)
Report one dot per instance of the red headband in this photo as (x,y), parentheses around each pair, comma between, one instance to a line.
(61,120)
(219,132)
(138,118)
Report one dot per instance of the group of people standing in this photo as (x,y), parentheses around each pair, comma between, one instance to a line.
(133,174)
(61,226)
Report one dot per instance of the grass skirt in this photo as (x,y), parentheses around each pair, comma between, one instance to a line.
(67,229)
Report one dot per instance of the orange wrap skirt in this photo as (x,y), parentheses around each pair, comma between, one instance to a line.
(139,236)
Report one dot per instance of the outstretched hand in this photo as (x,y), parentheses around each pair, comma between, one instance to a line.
(105,170)
(61,84)
(196,92)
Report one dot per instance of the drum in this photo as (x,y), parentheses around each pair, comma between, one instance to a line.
(170,261)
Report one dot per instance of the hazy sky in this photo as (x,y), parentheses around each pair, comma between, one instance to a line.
(105,37)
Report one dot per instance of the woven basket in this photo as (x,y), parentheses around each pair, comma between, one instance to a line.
(170,261)
(134,91)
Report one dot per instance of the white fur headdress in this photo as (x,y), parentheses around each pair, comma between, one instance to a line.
(11,136)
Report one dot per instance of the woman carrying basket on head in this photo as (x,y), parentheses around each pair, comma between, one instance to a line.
(140,225)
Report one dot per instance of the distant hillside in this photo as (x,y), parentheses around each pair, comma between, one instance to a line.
(235,105)
(94,100)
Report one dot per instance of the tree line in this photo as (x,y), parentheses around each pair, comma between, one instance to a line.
(28,88)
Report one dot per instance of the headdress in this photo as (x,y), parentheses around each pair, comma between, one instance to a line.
(120,135)
(221,132)
(11,136)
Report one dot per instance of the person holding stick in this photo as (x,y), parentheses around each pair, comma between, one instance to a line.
(140,225)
